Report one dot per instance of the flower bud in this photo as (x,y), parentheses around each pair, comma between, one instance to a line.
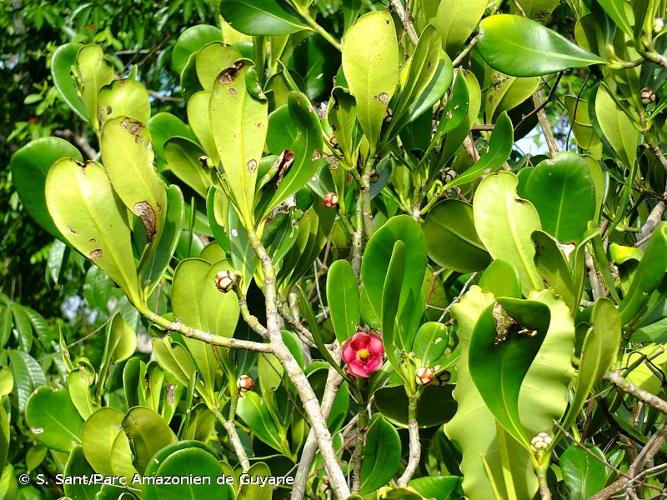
(658,25)
(225,281)
(541,441)
(245,383)
(647,96)
(330,200)
(424,375)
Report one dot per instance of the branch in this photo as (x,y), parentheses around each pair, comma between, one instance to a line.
(251,320)
(308,454)
(358,454)
(303,332)
(649,226)
(542,117)
(471,45)
(230,427)
(655,57)
(296,374)
(625,385)
(636,468)
(207,337)
(415,445)
(406,19)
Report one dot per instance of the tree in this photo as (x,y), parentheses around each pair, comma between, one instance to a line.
(337,273)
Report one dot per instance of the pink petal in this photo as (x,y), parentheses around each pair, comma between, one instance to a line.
(375,345)
(357,369)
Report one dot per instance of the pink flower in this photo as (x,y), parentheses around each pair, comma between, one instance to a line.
(362,354)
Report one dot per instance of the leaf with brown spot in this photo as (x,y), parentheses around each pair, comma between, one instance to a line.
(85,209)
(128,159)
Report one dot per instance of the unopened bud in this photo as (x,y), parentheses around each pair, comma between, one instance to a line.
(541,441)
(245,383)
(424,375)
(225,281)
(330,200)
(658,25)
(647,95)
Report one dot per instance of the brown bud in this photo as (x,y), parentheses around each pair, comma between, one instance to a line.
(330,200)
(225,281)
(245,383)
(647,95)
(424,375)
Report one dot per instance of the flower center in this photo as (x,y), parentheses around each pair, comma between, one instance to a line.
(363,354)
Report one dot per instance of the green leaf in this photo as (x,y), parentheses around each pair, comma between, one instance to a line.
(22,326)
(79,383)
(128,160)
(582,127)
(77,466)
(621,13)
(211,59)
(501,279)
(504,223)
(382,455)
(506,93)
(343,299)
(87,212)
(343,119)
(553,266)
(583,475)
(53,419)
(28,376)
(505,341)
(430,342)
(29,166)
(62,64)
(391,300)
(164,126)
(483,445)
(371,67)
(518,46)
(500,147)
(618,129)
(238,122)
(378,254)
(98,436)
(261,17)
(190,41)
(93,73)
(123,98)
(199,119)
(256,491)
(648,276)
(183,160)
(538,9)
(6,384)
(159,256)
(300,134)
(451,237)
(455,21)
(434,407)
(563,191)
(254,413)
(437,487)
(599,352)
(190,461)
(147,433)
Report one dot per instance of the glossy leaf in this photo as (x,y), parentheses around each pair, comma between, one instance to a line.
(501,279)
(77,466)
(518,46)
(430,342)
(164,126)
(199,119)
(435,406)
(382,455)
(254,412)
(62,64)
(343,299)
(128,160)
(583,475)
(371,69)
(500,147)
(147,432)
(256,491)
(123,98)
(86,210)
(238,122)
(451,238)
(455,21)
(29,166)
(499,213)
(437,487)
(53,419)
(190,41)
(183,160)
(98,436)
(261,17)
(93,73)
(211,59)
(617,127)
(27,373)
(598,353)
(553,266)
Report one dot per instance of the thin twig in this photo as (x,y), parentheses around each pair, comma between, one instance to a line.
(415,445)
(296,374)
(310,447)
(406,19)
(625,385)
(81,141)
(251,320)
(304,334)
(446,310)
(464,53)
